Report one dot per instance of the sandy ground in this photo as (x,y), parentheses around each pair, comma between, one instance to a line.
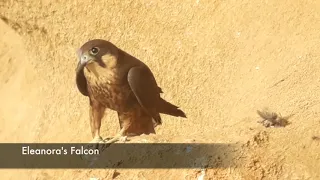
(220,61)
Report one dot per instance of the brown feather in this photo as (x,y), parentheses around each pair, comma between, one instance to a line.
(119,81)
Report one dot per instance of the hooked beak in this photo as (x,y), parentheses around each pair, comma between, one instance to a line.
(80,78)
(84,60)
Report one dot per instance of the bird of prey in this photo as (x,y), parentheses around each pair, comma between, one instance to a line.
(113,79)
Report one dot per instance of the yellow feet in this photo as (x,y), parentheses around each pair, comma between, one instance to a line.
(97,143)
(118,137)
(97,140)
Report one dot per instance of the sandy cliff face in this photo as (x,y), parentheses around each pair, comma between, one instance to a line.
(219,61)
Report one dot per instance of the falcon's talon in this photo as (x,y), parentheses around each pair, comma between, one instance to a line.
(96,140)
(113,140)
(107,139)
(123,139)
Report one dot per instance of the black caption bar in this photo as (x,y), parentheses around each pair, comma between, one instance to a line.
(119,155)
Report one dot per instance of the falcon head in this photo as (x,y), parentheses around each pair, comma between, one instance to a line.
(98,51)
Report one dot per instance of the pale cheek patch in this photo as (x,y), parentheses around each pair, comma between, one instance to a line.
(109,60)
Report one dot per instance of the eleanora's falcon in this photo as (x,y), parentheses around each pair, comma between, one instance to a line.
(113,79)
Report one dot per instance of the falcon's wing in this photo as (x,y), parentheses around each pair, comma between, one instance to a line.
(146,90)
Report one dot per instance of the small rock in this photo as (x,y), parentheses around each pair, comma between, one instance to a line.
(316,138)
(203,173)
(93,178)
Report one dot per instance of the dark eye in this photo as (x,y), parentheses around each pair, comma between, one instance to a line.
(94,51)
